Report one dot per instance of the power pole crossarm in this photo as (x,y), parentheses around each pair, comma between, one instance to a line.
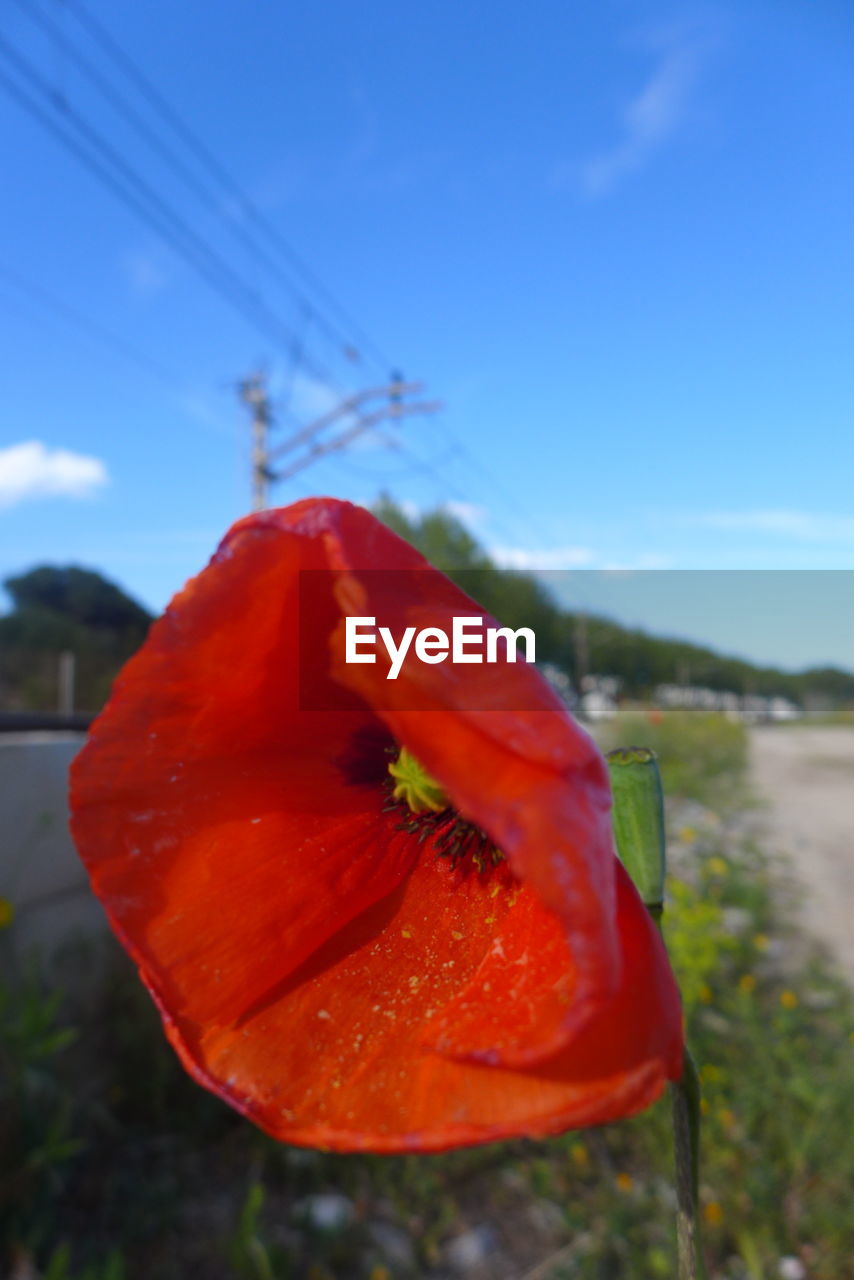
(253,393)
(394,390)
(358,428)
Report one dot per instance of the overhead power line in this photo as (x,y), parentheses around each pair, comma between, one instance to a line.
(216,171)
(207,189)
(395,390)
(102,159)
(92,329)
(205,176)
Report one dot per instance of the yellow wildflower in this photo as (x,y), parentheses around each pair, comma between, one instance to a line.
(713,1214)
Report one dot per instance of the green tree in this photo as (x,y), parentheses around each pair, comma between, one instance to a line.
(72,610)
(641,660)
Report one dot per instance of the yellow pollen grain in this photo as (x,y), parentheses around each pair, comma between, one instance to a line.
(336,1084)
(456,935)
(322,1013)
(490,920)
(414,981)
(494,890)
(406,933)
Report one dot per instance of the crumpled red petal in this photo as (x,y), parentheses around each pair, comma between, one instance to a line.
(314,965)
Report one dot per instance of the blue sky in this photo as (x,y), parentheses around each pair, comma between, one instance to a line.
(616,244)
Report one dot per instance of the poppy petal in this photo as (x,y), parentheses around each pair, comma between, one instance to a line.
(337,1059)
(219,824)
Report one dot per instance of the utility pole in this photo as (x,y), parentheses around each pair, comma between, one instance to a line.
(253,392)
(582,649)
(347,413)
(65,691)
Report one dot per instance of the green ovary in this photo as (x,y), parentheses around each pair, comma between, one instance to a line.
(414,786)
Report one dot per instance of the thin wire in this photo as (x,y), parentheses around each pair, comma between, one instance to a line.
(110,341)
(530,522)
(212,165)
(92,328)
(138,195)
(203,190)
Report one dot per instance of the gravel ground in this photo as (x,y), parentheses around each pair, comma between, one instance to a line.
(805,776)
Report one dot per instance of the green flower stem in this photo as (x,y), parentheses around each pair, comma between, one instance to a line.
(639,833)
(685,1098)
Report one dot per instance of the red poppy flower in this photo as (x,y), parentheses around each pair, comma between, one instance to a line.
(346,970)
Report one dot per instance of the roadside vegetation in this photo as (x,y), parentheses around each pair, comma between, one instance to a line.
(115,1166)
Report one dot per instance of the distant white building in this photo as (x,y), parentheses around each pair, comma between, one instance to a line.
(598,699)
(751,708)
(596,705)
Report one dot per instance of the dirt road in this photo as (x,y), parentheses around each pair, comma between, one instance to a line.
(806,777)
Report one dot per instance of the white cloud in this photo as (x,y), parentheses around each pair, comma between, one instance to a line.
(652,116)
(804,526)
(467,512)
(568,558)
(32,470)
(410,509)
(555,558)
(641,564)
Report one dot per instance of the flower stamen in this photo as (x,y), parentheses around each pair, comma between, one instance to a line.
(427,812)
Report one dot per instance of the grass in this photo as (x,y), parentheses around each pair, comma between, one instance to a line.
(115,1166)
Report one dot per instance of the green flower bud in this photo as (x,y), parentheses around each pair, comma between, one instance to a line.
(638,818)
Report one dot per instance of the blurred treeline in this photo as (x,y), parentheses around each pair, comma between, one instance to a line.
(65,611)
(581,643)
(73,610)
